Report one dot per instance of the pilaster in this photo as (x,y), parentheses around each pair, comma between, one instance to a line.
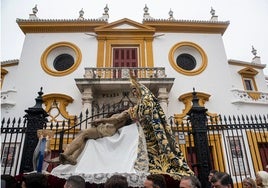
(87,98)
(163,98)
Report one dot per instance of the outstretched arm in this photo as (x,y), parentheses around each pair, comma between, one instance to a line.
(114,119)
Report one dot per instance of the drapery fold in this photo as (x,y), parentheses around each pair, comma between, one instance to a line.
(106,156)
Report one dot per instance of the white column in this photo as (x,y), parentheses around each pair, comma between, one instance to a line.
(163,99)
(87,98)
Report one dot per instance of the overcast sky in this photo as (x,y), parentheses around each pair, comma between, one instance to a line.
(248,19)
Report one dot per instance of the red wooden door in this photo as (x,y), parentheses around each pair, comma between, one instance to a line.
(263,148)
(124,57)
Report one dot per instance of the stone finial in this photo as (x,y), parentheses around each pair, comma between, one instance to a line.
(253,51)
(106,9)
(212,11)
(256,59)
(81,14)
(146,14)
(145,9)
(35,10)
(33,15)
(170,13)
(105,15)
(213,16)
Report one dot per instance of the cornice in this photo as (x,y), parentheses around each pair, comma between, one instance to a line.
(100,25)
(138,29)
(246,64)
(180,20)
(56,25)
(188,26)
(9,63)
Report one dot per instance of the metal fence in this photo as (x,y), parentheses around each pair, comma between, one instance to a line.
(237,145)
(12,137)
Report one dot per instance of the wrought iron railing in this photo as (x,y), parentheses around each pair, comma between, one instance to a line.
(235,143)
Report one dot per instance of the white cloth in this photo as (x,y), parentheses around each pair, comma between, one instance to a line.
(106,156)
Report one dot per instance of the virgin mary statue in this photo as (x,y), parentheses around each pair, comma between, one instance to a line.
(163,151)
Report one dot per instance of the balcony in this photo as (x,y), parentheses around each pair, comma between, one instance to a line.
(242,96)
(8,99)
(103,80)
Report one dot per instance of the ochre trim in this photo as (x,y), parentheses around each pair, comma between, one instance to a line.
(3,74)
(10,64)
(100,56)
(254,138)
(187,101)
(185,72)
(254,95)
(58,26)
(67,26)
(125,33)
(145,56)
(44,57)
(149,52)
(187,27)
(250,73)
(63,101)
(114,27)
(217,150)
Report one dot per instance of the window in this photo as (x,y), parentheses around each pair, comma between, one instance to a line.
(186,62)
(124,57)
(248,84)
(63,62)
(188,58)
(248,77)
(61,59)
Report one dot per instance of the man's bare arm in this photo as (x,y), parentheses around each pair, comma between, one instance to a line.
(114,119)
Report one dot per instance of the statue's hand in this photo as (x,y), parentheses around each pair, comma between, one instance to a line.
(96,122)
